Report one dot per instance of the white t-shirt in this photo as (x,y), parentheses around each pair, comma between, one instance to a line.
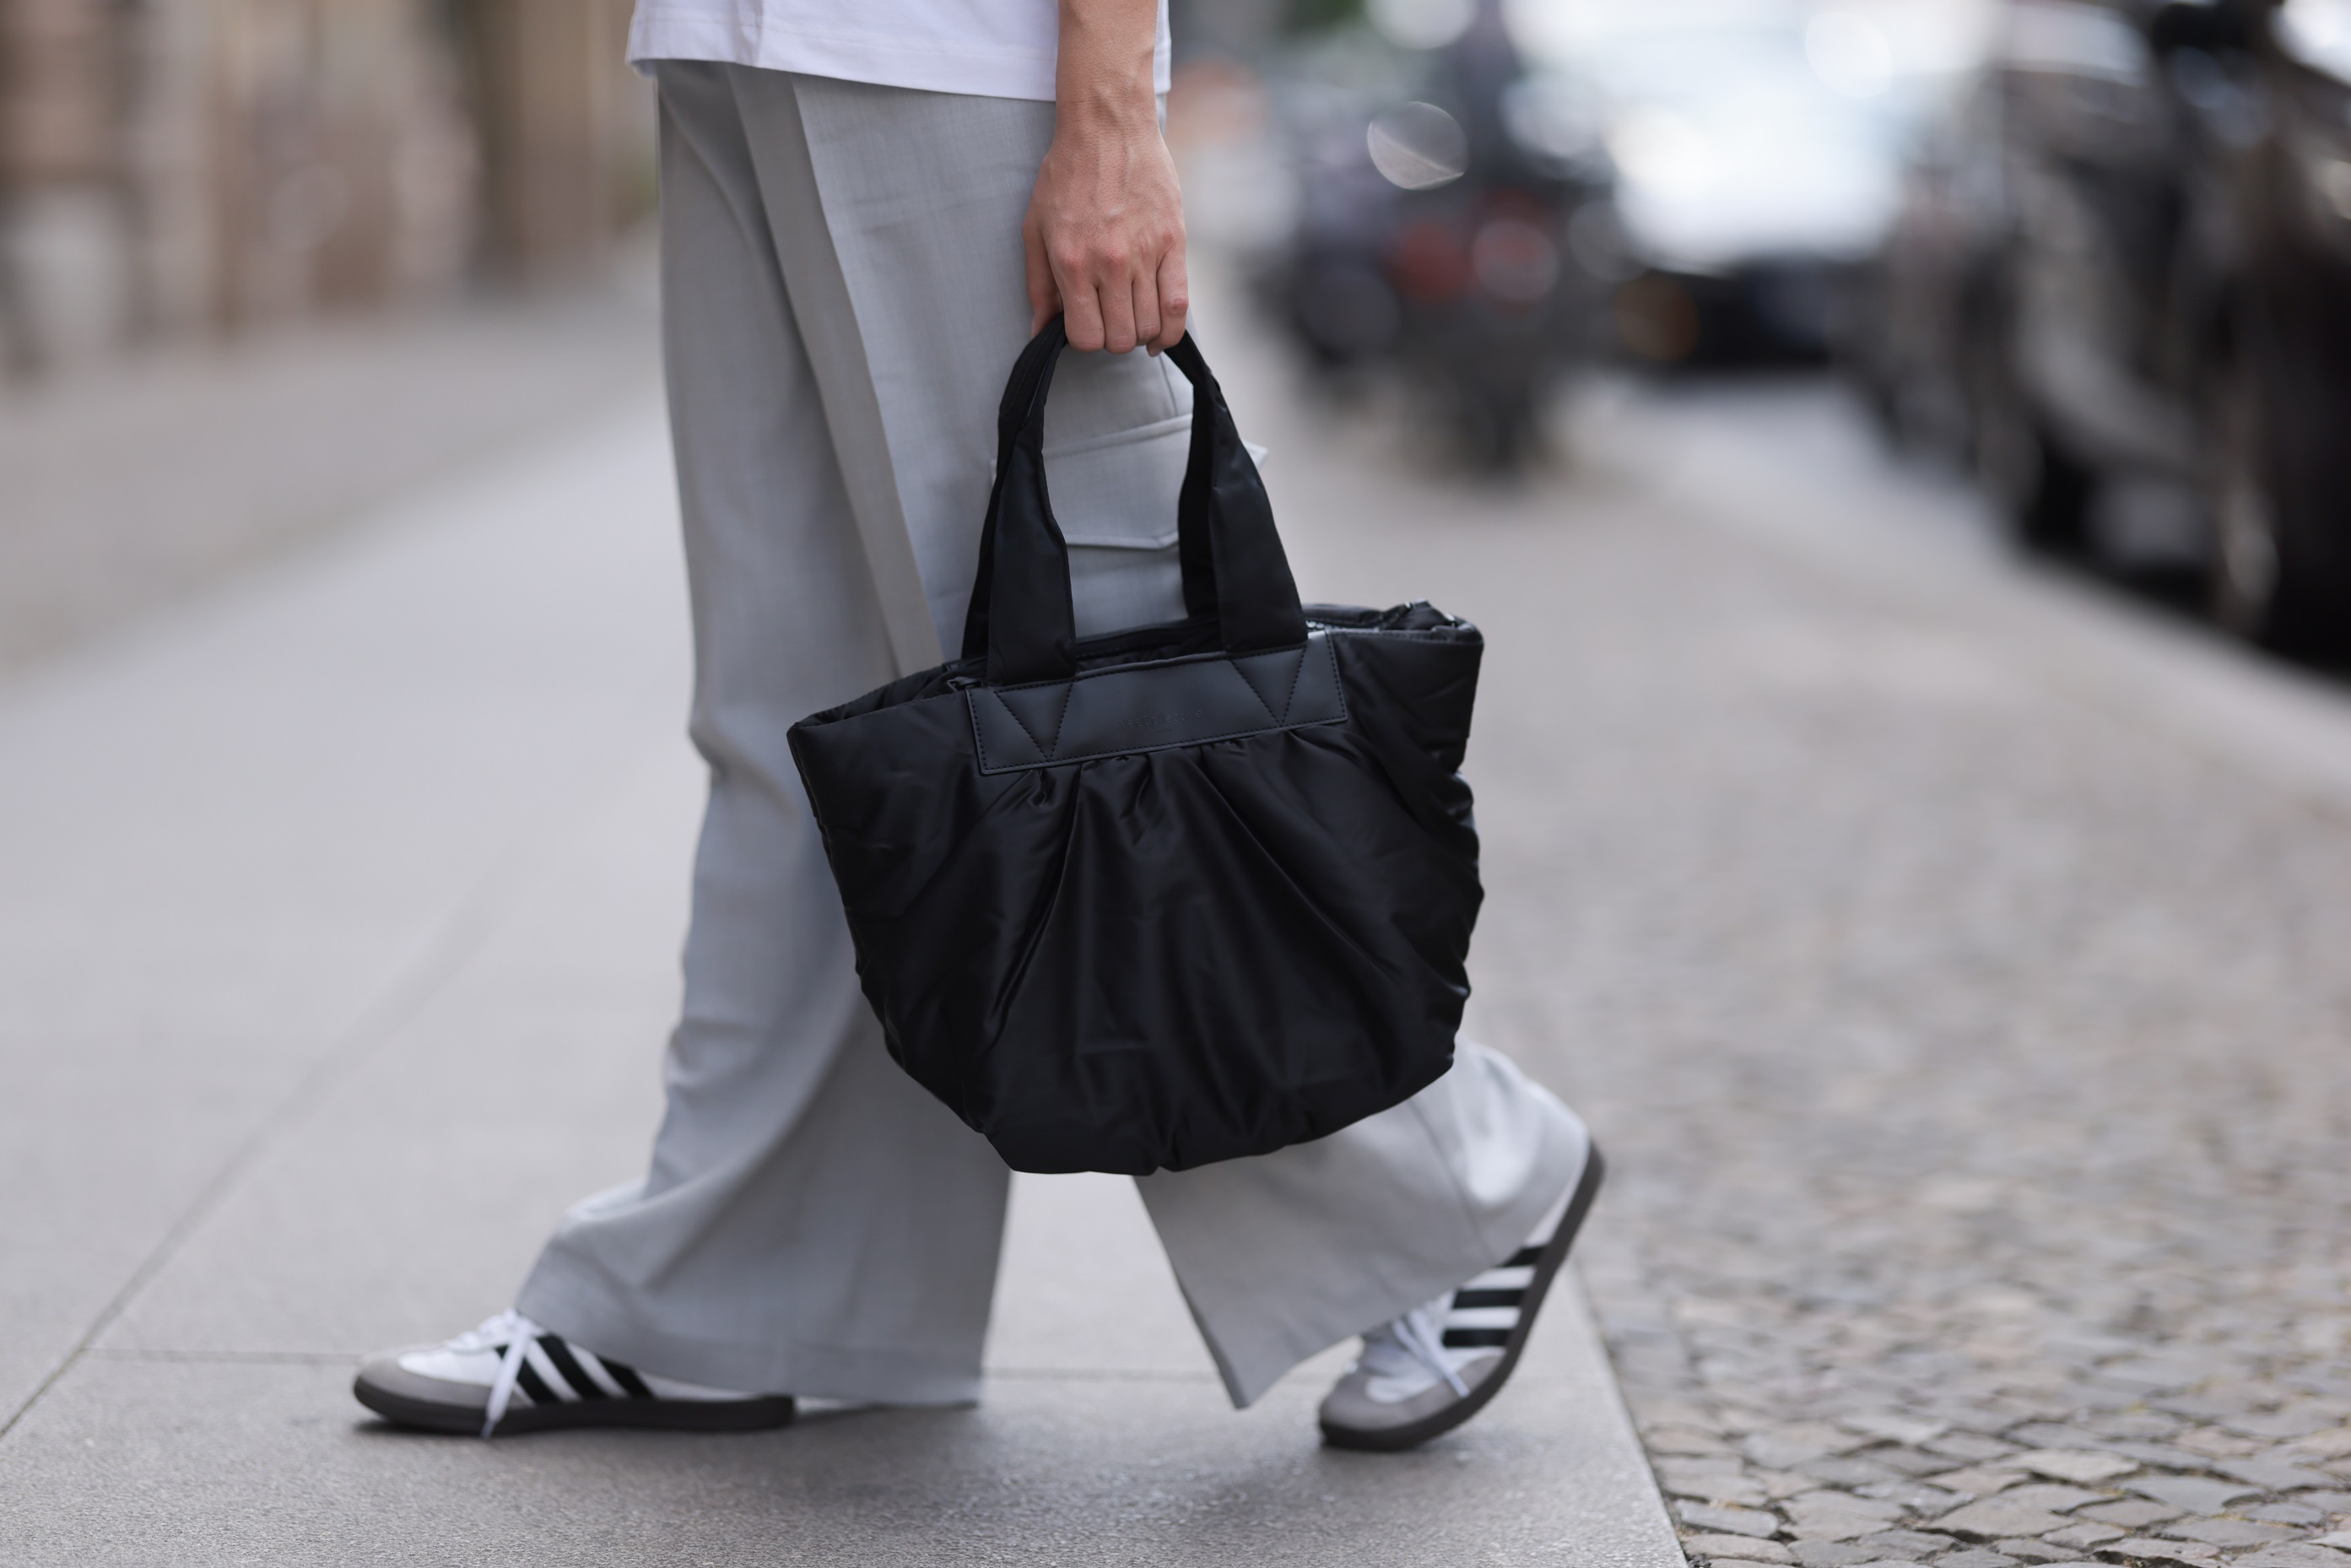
(991,48)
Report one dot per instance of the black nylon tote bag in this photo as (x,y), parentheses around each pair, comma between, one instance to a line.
(1171,896)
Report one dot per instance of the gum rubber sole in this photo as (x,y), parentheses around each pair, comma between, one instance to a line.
(671,1414)
(1395,1439)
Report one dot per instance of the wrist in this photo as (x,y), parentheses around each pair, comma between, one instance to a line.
(1120,110)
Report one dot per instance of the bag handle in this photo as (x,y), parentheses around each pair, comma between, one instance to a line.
(1021,615)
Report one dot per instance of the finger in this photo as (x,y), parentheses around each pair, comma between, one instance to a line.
(1143,299)
(1081,314)
(1117,297)
(1044,298)
(1174,299)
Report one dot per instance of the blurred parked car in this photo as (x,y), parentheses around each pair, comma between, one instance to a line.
(2122,278)
(2268,271)
(1757,151)
(1437,189)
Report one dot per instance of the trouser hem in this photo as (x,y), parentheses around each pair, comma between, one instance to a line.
(1250,1373)
(580,1310)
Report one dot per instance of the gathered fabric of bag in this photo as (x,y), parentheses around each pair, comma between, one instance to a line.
(1170,896)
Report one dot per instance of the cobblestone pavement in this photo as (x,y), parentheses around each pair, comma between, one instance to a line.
(1974,1056)
(1977,1066)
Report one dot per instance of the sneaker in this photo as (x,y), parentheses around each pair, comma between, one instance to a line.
(512,1375)
(1430,1370)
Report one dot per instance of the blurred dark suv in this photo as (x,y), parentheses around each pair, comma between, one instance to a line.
(2122,279)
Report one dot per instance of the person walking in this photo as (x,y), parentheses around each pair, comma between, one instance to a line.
(865,212)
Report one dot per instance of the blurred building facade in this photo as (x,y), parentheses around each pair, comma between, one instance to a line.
(172,169)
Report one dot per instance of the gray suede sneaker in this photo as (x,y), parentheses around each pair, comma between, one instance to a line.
(512,1375)
(1426,1373)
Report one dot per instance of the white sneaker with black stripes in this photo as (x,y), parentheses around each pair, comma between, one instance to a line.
(512,1375)
(1428,1371)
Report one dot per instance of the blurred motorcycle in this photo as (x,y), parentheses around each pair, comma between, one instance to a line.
(1438,191)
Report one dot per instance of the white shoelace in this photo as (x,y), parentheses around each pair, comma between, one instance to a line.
(516,1331)
(1417,1334)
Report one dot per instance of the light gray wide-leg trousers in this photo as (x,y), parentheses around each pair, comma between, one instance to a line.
(842,298)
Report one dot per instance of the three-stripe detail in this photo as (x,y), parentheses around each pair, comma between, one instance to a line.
(1485,1312)
(555,1372)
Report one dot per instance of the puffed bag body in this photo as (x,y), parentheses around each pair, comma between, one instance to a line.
(1171,896)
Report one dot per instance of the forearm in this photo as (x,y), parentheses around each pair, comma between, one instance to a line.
(1103,78)
(1104,234)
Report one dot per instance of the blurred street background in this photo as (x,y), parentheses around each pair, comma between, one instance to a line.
(1894,448)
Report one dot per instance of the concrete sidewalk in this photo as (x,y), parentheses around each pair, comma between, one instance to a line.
(131,484)
(337,943)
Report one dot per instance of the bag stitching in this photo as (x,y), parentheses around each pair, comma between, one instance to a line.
(1014,714)
(1318,632)
(1167,746)
(1280,725)
(1296,676)
(1062,718)
(1331,657)
(979,735)
(1278,718)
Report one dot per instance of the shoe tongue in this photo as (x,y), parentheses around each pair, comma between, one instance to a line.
(1384,1356)
(1387,1352)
